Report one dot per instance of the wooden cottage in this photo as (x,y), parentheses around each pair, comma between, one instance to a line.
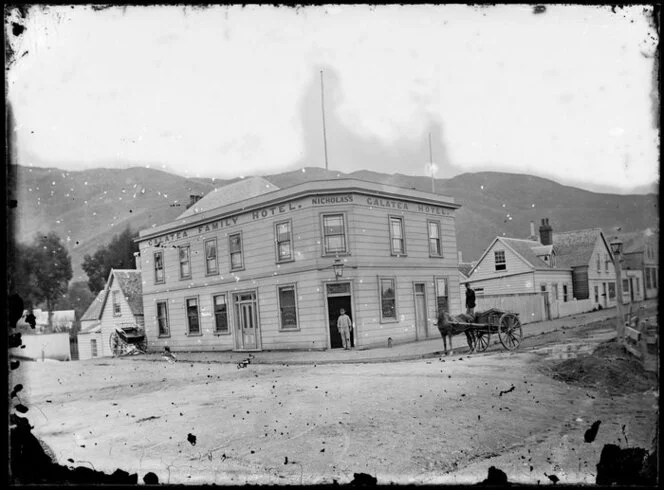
(119,304)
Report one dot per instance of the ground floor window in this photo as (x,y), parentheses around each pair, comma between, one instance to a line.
(162,319)
(388,302)
(287,308)
(192,317)
(565,293)
(220,314)
(93,347)
(612,290)
(625,285)
(596,294)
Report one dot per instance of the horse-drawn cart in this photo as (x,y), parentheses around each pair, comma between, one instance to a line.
(478,329)
(128,338)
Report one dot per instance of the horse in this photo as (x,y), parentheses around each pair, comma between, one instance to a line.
(448,326)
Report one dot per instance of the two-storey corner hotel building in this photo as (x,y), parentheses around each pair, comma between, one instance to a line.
(254,267)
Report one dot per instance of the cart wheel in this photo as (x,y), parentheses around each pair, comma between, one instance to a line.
(116,344)
(482,340)
(509,331)
(143,344)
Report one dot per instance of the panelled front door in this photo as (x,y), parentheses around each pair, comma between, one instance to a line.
(246,320)
(420,311)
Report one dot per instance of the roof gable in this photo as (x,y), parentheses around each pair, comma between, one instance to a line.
(515,247)
(130,283)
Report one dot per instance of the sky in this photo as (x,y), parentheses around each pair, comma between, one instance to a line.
(232,91)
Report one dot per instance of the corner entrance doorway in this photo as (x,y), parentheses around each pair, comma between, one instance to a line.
(338,297)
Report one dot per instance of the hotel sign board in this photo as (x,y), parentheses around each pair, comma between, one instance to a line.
(371,202)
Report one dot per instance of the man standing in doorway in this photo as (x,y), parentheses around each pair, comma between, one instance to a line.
(470,301)
(344,326)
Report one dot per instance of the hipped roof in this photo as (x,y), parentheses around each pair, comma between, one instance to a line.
(231,193)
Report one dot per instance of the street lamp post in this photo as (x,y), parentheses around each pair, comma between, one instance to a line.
(616,250)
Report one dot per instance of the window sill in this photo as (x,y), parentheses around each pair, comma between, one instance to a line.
(389,320)
(239,269)
(285,261)
(189,334)
(222,334)
(398,255)
(436,256)
(336,254)
(164,336)
(186,278)
(208,274)
(286,330)
(159,282)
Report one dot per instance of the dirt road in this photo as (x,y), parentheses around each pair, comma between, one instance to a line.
(430,421)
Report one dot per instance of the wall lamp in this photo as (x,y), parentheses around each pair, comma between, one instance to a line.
(338,267)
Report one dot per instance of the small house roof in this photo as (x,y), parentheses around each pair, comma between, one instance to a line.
(636,241)
(466,267)
(91,329)
(131,284)
(231,193)
(96,307)
(574,248)
(543,250)
(525,249)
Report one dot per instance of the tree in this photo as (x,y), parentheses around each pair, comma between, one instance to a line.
(119,254)
(45,271)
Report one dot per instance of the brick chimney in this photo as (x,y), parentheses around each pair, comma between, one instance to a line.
(546,232)
(137,260)
(193,199)
(532,231)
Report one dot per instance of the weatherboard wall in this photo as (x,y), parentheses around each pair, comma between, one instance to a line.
(369,257)
(521,282)
(486,268)
(604,274)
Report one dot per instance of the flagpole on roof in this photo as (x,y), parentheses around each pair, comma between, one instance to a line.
(433,182)
(322,103)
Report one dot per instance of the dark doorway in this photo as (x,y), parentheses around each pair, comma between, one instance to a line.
(334,304)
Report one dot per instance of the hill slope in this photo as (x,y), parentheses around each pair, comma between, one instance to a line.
(88,207)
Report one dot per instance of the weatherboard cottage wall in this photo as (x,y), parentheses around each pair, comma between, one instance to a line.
(366,213)
(85,345)
(522,282)
(554,280)
(600,276)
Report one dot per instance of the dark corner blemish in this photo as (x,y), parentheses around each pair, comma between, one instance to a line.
(17,29)
(539,9)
